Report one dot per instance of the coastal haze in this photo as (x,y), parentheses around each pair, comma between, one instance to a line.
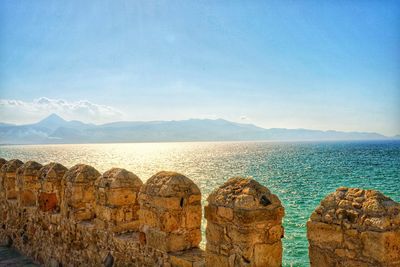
(54,130)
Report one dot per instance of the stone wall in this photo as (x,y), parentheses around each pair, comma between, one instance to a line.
(80,217)
(354,227)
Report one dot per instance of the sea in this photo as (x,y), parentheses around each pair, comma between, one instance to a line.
(301,174)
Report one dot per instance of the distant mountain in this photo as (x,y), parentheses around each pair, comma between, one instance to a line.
(55,129)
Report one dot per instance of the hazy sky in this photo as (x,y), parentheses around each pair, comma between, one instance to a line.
(294,64)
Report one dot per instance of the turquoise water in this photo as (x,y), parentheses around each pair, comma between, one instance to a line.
(301,174)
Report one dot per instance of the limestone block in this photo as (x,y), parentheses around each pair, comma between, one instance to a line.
(120,197)
(214,234)
(48,202)
(188,258)
(321,258)
(268,255)
(324,234)
(214,259)
(149,218)
(382,246)
(193,216)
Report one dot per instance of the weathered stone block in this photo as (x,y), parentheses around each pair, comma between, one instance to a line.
(148,218)
(171,203)
(320,257)
(213,259)
(120,197)
(245,235)
(188,258)
(322,233)
(214,233)
(245,216)
(193,216)
(48,202)
(226,213)
(383,247)
(170,222)
(268,255)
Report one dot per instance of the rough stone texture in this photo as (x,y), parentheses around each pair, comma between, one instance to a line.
(79,192)
(170,212)
(53,238)
(28,184)
(355,227)
(117,202)
(244,225)
(66,225)
(188,258)
(8,177)
(51,192)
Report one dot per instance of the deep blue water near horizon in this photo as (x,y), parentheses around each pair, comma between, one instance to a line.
(301,174)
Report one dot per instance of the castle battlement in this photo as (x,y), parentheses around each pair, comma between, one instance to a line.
(80,217)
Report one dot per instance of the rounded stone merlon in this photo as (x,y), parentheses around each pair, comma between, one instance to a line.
(81,173)
(116,200)
(170,212)
(243,193)
(52,171)
(170,184)
(119,178)
(355,227)
(244,225)
(11,166)
(51,177)
(29,169)
(78,199)
(8,177)
(358,209)
(27,183)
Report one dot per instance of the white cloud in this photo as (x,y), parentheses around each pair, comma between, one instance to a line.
(19,112)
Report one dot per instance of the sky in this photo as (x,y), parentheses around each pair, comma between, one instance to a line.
(328,65)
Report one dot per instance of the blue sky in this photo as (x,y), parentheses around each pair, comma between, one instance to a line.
(293,64)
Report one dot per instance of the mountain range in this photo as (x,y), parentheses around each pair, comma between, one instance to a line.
(55,130)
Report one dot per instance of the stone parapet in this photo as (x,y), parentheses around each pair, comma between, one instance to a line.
(80,217)
(355,227)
